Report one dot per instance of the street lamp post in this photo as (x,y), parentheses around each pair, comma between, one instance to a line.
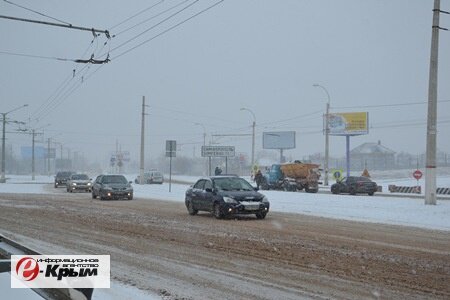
(253,135)
(3,140)
(327,133)
(204,143)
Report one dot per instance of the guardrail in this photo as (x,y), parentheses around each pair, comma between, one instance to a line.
(404,189)
(416,190)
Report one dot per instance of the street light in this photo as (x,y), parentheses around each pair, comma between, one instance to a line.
(253,135)
(3,140)
(204,132)
(207,166)
(327,133)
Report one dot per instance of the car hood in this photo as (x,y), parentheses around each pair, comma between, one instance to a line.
(118,186)
(242,195)
(81,181)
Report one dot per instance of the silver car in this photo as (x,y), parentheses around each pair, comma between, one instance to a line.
(79,182)
(151,177)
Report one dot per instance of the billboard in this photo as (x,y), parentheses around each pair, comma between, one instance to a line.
(39,152)
(279,140)
(354,123)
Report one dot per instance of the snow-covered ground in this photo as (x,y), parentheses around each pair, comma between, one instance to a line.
(403,210)
(388,210)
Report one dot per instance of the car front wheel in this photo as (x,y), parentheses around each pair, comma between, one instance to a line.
(261,215)
(217,211)
(191,210)
(335,190)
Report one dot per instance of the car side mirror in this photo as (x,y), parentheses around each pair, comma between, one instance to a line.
(130,182)
(209,190)
(256,189)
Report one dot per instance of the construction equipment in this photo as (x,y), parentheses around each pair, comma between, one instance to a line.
(292,177)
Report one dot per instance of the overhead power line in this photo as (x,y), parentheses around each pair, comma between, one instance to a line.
(170,28)
(154,26)
(36,56)
(70,26)
(149,19)
(36,12)
(137,14)
(386,105)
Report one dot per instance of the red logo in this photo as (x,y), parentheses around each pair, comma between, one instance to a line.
(27,268)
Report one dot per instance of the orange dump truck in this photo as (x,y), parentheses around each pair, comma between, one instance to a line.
(292,177)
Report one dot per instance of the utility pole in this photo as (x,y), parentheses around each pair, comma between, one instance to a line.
(327,134)
(32,156)
(430,168)
(48,157)
(253,146)
(142,165)
(3,179)
(253,136)
(3,149)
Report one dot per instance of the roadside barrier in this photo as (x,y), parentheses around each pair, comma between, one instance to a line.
(443,191)
(404,189)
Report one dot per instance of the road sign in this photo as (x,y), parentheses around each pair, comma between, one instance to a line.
(417,174)
(337,173)
(218,151)
(171,148)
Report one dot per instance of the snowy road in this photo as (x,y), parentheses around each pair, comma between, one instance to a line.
(156,246)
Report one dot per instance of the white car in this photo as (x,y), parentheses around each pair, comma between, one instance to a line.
(151,177)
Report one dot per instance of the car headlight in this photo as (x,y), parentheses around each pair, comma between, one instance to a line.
(229,200)
(89,184)
(265,200)
(74,183)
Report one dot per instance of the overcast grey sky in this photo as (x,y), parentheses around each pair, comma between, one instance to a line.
(263,55)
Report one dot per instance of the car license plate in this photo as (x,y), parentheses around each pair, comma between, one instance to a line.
(250,205)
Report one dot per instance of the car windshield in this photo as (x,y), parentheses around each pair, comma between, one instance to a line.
(64,174)
(363,179)
(232,184)
(114,179)
(80,177)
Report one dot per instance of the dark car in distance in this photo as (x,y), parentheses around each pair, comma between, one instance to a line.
(355,185)
(112,187)
(226,196)
(62,177)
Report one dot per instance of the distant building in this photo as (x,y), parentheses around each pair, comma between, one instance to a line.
(372,156)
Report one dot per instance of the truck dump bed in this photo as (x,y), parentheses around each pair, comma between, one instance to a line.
(297,170)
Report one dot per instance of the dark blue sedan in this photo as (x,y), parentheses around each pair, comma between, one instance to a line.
(226,196)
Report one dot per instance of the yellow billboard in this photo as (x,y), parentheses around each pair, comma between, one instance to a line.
(354,123)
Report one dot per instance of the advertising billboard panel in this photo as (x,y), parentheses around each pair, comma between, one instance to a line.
(279,140)
(39,152)
(354,123)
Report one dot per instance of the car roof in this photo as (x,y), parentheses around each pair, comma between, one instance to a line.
(220,176)
(113,175)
